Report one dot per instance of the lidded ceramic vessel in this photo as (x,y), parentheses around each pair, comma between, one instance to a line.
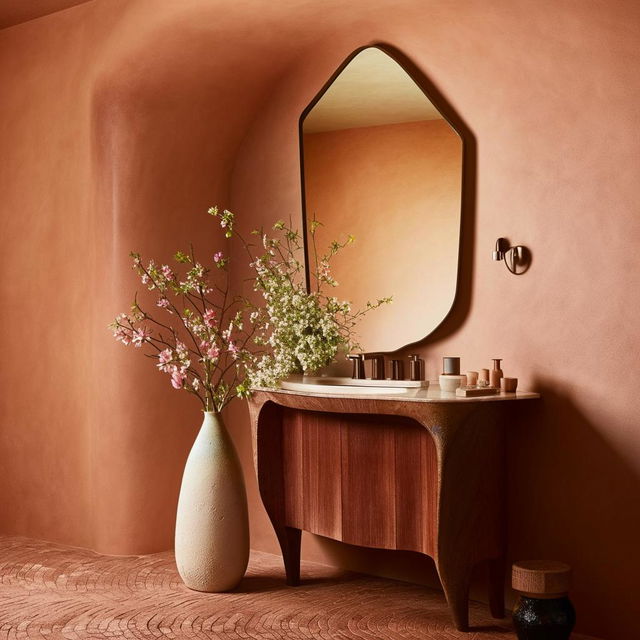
(543,610)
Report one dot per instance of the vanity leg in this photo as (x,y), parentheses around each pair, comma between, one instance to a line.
(455,582)
(289,539)
(497,567)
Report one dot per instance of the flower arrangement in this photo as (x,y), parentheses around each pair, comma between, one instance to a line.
(305,329)
(203,340)
(216,345)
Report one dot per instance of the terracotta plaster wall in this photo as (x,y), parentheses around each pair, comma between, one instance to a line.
(17,11)
(47,283)
(549,91)
(120,122)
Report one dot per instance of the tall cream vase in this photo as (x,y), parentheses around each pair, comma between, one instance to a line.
(212,523)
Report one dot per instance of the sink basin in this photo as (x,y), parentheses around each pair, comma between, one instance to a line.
(344,389)
(348,386)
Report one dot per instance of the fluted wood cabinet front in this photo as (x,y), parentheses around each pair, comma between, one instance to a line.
(365,480)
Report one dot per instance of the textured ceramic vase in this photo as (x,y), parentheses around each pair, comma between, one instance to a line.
(212,524)
(544,619)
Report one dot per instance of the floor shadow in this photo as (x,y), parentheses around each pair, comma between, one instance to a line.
(266,583)
(491,628)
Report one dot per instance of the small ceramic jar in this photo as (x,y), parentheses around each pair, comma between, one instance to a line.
(543,610)
(449,383)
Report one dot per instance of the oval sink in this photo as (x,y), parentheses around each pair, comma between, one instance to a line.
(315,387)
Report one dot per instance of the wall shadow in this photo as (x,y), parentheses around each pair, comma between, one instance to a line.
(573,497)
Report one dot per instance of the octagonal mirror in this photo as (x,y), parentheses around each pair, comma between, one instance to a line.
(380,162)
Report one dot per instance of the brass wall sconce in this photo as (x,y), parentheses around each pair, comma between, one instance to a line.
(517,259)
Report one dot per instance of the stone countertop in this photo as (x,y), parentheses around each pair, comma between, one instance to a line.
(431,395)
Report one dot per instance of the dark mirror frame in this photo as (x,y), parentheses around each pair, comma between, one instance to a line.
(468,183)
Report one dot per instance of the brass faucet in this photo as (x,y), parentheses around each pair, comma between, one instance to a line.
(397,370)
(377,365)
(358,365)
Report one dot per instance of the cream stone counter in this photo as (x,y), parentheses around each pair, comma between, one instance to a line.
(432,394)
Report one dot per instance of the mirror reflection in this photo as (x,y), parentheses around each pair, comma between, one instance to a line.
(381,163)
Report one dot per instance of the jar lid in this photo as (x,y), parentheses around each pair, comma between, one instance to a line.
(541,578)
(450,366)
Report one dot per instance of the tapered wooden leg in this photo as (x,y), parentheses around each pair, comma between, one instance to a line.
(289,539)
(455,582)
(497,567)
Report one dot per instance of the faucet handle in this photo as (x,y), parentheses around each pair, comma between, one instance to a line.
(377,365)
(415,367)
(358,365)
(397,370)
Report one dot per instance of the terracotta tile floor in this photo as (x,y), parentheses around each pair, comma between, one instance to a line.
(52,591)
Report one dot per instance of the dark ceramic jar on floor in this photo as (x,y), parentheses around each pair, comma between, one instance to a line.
(543,610)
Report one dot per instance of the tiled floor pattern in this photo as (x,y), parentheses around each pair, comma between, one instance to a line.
(52,591)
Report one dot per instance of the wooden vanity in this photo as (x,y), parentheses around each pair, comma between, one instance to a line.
(423,472)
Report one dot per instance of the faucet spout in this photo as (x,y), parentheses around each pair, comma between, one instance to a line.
(357,360)
(377,365)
